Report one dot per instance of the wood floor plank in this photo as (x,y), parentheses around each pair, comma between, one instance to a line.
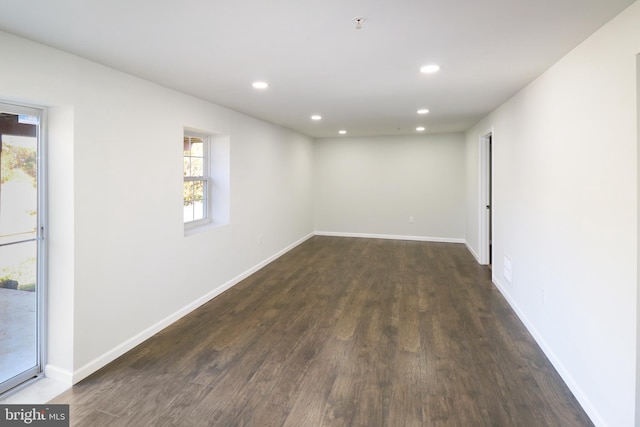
(100,419)
(339,332)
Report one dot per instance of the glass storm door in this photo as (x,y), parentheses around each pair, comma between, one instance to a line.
(21,245)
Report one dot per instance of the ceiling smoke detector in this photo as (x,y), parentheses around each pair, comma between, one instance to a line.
(358,21)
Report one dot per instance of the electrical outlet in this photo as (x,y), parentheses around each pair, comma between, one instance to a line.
(410,220)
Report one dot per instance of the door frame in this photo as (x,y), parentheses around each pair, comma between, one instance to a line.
(19,380)
(485,195)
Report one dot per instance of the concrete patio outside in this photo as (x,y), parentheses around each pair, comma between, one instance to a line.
(17,332)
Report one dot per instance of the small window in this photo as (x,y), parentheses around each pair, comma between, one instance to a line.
(196,179)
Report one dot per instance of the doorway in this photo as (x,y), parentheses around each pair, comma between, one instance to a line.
(486,198)
(22,252)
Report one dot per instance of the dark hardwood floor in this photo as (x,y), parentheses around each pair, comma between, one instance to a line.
(339,332)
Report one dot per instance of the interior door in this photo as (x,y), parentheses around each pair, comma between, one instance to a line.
(21,245)
(490,198)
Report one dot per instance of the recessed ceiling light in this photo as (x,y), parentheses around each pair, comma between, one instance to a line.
(316,117)
(428,69)
(342,132)
(420,128)
(260,85)
(423,111)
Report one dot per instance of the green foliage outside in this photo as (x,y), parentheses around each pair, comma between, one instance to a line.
(193,167)
(19,164)
(193,192)
(24,273)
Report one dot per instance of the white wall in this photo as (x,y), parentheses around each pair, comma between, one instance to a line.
(121,265)
(61,238)
(371,186)
(565,211)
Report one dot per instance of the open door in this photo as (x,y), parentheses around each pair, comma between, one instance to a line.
(486,199)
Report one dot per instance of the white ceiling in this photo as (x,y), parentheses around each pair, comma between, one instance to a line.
(366,81)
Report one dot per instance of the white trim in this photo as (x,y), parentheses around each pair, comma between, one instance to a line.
(200,228)
(41,235)
(36,391)
(584,401)
(58,374)
(43,244)
(111,355)
(474,253)
(637,307)
(483,195)
(391,237)
(205,178)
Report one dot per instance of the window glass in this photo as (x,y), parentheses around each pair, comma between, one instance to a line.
(195,192)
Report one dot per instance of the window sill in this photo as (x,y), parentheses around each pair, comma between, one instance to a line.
(197,229)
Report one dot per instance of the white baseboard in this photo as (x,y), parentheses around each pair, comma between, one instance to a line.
(58,374)
(474,253)
(555,361)
(391,237)
(121,349)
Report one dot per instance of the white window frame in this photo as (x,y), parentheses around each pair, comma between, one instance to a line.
(42,324)
(205,177)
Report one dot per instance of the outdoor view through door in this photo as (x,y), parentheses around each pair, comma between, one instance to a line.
(21,245)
